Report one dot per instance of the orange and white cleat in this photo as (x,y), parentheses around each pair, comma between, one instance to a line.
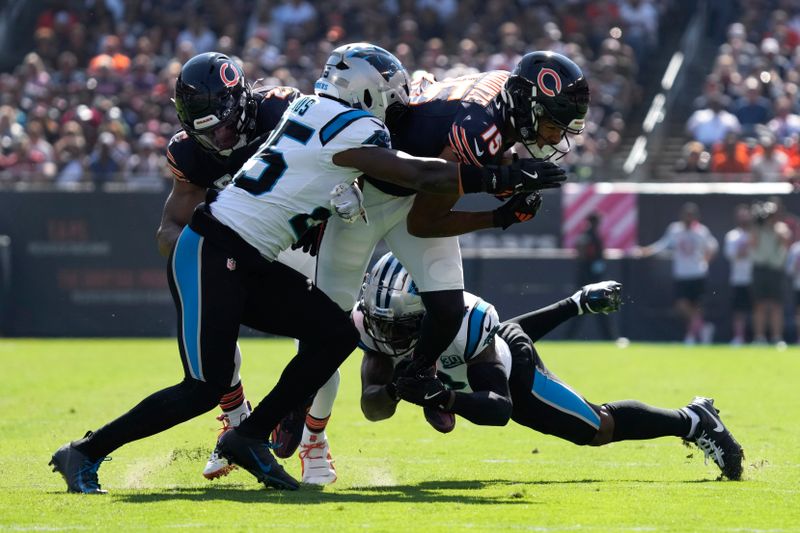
(315,459)
(217,465)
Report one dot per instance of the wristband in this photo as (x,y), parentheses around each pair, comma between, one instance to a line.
(471,178)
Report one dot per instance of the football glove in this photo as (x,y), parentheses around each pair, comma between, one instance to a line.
(425,392)
(519,208)
(522,175)
(603,297)
(310,240)
(347,202)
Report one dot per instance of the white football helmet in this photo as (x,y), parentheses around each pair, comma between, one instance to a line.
(392,307)
(367,77)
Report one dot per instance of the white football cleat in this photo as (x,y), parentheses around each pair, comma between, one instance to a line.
(217,465)
(315,459)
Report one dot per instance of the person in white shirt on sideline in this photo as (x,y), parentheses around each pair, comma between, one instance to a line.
(692,246)
(738,250)
(771,238)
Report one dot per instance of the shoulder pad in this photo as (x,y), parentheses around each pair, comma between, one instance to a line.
(179,152)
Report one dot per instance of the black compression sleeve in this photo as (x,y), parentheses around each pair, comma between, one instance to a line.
(490,403)
(539,323)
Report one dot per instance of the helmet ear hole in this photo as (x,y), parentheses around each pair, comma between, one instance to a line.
(367,99)
(538,110)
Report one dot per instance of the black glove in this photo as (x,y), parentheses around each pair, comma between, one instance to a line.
(425,392)
(522,175)
(401,368)
(310,240)
(519,208)
(603,297)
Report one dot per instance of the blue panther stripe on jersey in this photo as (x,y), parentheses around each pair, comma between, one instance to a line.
(476,318)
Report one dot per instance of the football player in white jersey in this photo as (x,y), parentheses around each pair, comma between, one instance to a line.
(492,373)
(223,270)
(435,260)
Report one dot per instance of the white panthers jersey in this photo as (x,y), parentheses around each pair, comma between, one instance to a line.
(284,188)
(477,331)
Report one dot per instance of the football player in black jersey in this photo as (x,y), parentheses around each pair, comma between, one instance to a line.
(224,120)
(506,378)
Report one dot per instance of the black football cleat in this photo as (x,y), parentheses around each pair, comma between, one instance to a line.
(439,420)
(77,469)
(288,433)
(714,439)
(254,456)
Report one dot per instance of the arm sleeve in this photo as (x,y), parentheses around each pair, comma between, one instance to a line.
(490,404)
(539,323)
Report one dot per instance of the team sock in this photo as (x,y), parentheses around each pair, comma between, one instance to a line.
(322,406)
(634,420)
(235,406)
(316,425)
(695,420)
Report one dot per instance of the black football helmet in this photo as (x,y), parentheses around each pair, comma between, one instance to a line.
(546,85)
(214,104)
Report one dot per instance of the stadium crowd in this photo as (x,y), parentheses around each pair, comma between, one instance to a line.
(746,123)
(90,104)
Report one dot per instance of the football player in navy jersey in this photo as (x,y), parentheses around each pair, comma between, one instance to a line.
(492,372)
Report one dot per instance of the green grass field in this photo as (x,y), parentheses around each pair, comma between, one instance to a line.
(400,475)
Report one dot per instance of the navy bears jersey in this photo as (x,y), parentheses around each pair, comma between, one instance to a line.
(460,113)
(189,162)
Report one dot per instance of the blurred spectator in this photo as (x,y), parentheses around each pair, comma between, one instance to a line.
(753,108)
(692,246)
(769,164)
(197,34)
(27,164)
(770,240)
(508,57)
(103,166)
(786,123)
(110,56)
(712,125)
(146,164)
(731,156)
(738,251)
(591,268)
(640,26)
(293,18)
(694,158)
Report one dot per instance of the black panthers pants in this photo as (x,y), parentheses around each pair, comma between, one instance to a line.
(219,282)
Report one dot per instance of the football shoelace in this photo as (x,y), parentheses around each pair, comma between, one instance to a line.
(710,448)
(88,473)
(306,449)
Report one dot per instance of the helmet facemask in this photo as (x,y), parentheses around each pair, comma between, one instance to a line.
(398,334)
(529,108)
(214,104)
(391,306)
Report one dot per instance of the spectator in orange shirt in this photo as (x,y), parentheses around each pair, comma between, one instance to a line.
(110,49)
(731,156)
